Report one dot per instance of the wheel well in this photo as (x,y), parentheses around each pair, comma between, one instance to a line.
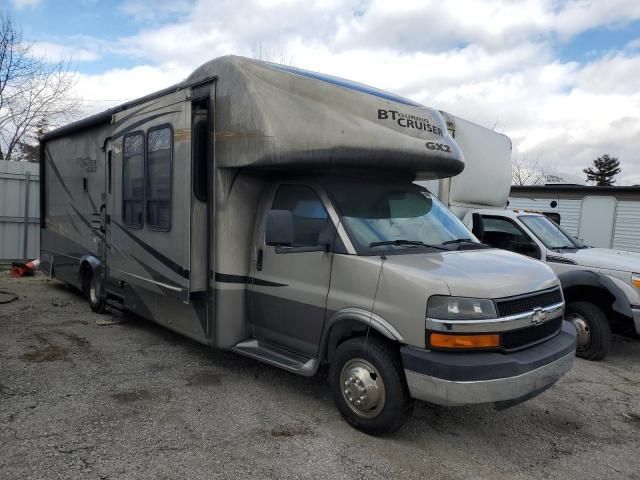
(600,297)
(346,330)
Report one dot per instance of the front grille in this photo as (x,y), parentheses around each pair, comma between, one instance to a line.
(527,303)
(527,336)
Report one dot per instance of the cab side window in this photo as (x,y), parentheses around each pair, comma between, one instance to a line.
(311,223)
(133,180)
(503,233)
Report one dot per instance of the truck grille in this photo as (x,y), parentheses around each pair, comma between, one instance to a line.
(525,337)
(527,303)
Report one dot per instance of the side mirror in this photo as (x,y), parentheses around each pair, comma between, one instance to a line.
(478,226)
(279,228)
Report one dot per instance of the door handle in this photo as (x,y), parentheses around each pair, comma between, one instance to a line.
(259,260)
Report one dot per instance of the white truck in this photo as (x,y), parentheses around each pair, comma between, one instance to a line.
(601,286)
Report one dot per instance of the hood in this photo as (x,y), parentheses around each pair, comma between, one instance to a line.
(477,273)
(606,258)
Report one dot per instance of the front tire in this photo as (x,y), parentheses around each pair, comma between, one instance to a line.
(368,385)
(594,331)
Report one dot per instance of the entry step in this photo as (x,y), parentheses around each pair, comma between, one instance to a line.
(114,303)
(278,357)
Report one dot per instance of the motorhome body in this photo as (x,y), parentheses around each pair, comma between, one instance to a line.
(601,286)
(261,208)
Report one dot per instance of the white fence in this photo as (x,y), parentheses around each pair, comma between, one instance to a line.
(19,210)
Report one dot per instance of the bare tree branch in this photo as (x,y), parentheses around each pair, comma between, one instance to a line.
(525,171)
(35,94)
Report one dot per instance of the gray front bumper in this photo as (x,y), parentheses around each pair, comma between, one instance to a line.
(636,319)
(456,379)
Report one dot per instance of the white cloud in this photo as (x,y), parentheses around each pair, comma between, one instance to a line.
(25,3)
(56,51)
(492,62)
(144,11)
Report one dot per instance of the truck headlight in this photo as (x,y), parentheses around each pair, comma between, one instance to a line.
(460,308)
(635,279)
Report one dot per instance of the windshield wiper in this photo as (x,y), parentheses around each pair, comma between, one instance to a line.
(459,240)
(401,242)
(467,241)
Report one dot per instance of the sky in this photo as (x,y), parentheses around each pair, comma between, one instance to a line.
(560,78)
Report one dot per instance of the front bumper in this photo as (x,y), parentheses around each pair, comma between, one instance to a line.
(505,379)
(636,318)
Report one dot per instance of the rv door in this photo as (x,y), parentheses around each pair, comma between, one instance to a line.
(148,206)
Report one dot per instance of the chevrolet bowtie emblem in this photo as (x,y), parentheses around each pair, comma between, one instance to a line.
(538,316)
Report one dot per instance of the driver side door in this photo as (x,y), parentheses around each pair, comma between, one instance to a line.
(290,284)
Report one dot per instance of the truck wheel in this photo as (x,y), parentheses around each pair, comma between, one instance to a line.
(368,385)
(93,291)
(594,332)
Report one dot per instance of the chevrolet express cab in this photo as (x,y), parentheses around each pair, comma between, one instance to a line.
(271,211)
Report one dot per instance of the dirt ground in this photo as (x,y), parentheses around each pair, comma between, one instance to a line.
(134,400)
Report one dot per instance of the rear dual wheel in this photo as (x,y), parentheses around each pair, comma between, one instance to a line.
(368,385)
(94,292)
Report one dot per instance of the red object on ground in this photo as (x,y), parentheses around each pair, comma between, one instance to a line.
(19,269)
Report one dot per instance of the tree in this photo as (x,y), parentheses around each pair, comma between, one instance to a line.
(527,172)
(34,93)
(603,170)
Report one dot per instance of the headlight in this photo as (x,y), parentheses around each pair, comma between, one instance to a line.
(460,308)
(635,279)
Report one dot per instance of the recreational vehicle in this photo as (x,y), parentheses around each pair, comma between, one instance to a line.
(601,286)
(271,211)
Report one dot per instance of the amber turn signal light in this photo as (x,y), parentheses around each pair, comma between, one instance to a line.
(441,340)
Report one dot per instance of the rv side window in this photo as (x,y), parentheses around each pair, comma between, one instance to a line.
(159,150)
(133,179)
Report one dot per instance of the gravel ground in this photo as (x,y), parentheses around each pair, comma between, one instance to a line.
(134,400)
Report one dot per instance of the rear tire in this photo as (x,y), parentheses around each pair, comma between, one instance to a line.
(94,292)
(594,331)
(372,375)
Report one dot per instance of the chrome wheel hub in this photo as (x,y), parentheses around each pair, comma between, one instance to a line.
(583,332)
(362,388)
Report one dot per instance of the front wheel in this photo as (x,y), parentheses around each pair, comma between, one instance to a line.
(368,385)
(593,330)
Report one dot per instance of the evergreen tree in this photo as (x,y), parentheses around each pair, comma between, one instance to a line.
(603,170)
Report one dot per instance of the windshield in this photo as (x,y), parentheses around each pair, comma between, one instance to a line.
(550,233)
(395,216)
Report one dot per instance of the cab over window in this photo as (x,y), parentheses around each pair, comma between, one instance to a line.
(310,218)
(133,180)
(159,152)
